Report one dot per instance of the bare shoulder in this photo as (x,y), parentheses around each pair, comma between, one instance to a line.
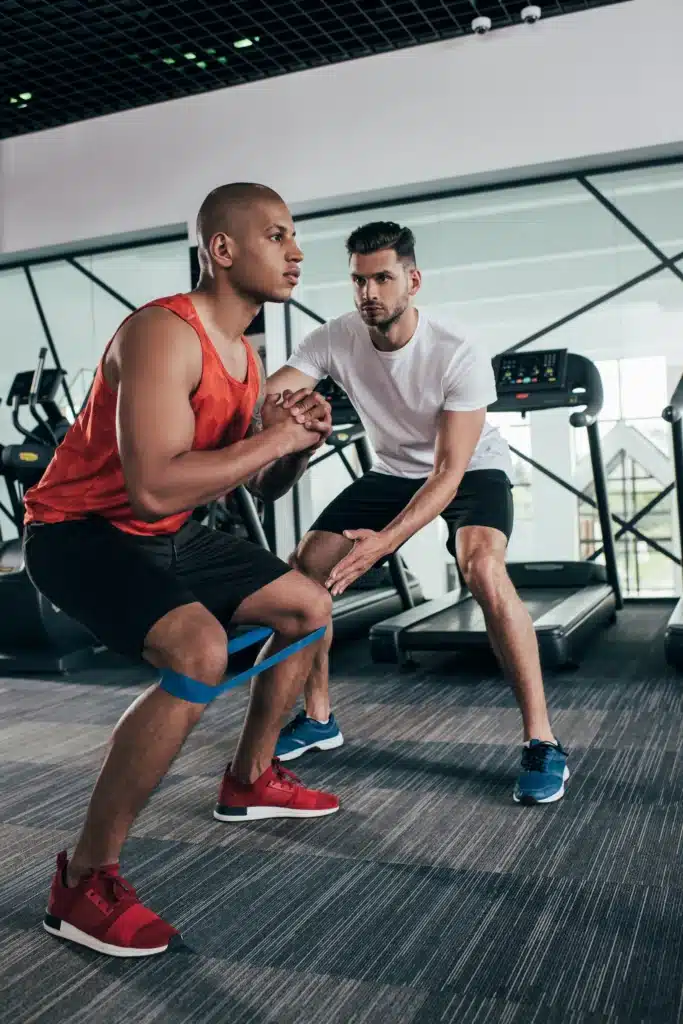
(154,338)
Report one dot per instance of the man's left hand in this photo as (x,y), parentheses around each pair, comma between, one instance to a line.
(368,547)
(310,407)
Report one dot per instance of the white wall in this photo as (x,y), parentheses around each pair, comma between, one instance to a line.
(595,86)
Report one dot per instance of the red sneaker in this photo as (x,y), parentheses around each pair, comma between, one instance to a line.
(103,913)
(278,793)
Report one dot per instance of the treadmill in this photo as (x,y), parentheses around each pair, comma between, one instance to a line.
(568,601)
(673,414)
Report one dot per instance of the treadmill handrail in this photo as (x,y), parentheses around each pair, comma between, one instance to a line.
(586,417)
(674,410)
(672,414)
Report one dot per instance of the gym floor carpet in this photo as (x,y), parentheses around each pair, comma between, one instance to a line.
(430,898)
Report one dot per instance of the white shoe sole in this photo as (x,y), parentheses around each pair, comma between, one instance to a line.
(546,799)
(258,813)
(67,931)
(331,744)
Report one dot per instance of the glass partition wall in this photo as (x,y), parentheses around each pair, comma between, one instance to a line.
(72,303)
(590,262)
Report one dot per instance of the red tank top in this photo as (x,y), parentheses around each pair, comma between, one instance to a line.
(85,476)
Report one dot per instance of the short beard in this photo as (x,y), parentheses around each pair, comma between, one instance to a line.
(385,325)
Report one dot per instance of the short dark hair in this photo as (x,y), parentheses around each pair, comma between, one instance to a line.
(382,234)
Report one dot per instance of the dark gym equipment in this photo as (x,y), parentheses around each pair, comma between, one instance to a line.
(673,637)
(568,601)
(383,590)
(35,637)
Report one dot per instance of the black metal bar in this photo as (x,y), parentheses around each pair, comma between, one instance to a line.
(96,250)
(269,524)
(351,471)
(631,283)
(288,330)
(309,312)
(604,511)
(247,510)
(677,443)
(589,501)
(3,508)
(296,495)
(321,458)
(396,569)
(673,414)
(644,511)
(498,186)
(627,223)
(101,284)
(48,336)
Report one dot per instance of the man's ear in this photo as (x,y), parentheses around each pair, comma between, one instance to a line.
(222,249)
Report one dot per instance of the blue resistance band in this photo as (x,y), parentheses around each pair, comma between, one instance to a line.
(201,693)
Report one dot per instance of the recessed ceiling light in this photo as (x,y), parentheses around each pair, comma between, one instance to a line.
(169,60)
(222,60)
(241,44)
(25,96)
(211,52)
(21,106)
(190,56)
(13,99)
(201,63)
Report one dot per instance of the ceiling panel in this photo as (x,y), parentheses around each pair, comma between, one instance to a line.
(68,60)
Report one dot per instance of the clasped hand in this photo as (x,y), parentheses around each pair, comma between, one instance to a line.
(305,408)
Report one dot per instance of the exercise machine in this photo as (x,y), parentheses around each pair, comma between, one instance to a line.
(35,637)
(568,601)
(673,414)
(384,590)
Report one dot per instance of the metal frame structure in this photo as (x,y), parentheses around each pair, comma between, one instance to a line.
(71,257)
(670,263)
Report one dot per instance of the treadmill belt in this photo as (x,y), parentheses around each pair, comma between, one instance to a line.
(467,617)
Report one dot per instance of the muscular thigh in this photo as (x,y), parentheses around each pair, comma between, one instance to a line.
(116,585)
(369,503)
(221,570)
(484,499)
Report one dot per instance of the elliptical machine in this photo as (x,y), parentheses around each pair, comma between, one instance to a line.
(35,637)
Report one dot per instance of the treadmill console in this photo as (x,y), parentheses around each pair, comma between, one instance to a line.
(531,372)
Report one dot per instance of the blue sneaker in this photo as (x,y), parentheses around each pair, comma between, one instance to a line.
(303,734)
(544,773)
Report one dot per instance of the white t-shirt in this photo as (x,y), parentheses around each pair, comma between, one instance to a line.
(399,395)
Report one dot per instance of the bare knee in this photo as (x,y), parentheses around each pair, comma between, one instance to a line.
(485,575)
(309,608)
(318,553)
(189,640)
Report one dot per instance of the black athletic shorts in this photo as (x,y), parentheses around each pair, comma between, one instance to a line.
(484,498)
(118,585)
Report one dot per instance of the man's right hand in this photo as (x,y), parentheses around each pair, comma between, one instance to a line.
(296,417)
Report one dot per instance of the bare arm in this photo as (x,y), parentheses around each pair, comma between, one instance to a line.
(157,365)
(456,440)
(287,378)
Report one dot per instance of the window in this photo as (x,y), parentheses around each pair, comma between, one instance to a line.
(633,387)
(517,432)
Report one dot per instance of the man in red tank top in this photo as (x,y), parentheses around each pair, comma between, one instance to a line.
(176,419)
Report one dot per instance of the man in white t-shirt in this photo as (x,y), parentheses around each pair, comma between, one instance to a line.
(421,393)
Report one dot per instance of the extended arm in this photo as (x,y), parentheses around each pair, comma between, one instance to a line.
(456,440)
(157,365)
